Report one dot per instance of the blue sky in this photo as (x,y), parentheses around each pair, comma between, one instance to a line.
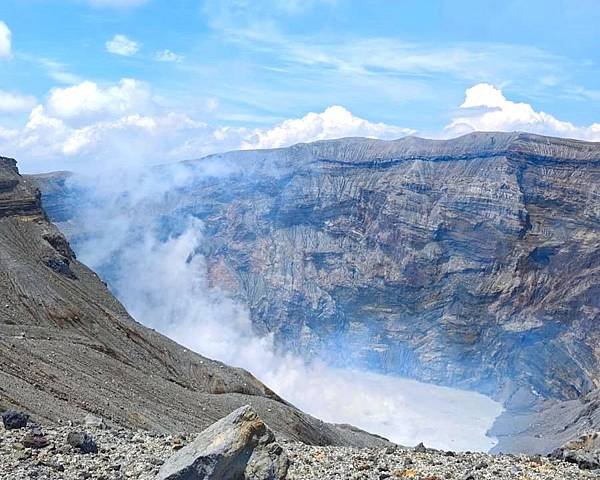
(190,77)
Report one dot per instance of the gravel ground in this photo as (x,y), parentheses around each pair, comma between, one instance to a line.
(125,454)
(324,463)
(122,454)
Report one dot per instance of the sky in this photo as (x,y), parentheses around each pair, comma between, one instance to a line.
(95,84)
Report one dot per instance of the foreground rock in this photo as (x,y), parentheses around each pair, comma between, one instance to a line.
(83,442)
(35,438)
(584,452)
(12,419)
(138,455)
(239,446)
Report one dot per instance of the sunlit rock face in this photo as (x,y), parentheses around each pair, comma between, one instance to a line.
(472,262)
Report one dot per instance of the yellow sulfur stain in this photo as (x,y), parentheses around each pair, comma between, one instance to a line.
(408,473)
(319,456)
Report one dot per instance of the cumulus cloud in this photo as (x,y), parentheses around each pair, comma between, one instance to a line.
(334,122)
(168,56)
(91,124)
(5,40)
(89,100)
(15,102)
(122,45)
(487,109)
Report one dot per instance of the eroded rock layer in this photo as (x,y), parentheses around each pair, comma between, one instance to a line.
(472,262)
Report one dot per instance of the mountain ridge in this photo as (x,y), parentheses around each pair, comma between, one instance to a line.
(414,147)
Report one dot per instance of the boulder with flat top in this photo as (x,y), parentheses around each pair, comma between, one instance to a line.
(237,447)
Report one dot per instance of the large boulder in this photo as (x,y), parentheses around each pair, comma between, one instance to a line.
(585,451)
(237,447)
(35,439)
(13,420)
(82,441)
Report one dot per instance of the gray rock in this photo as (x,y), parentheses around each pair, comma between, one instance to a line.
(94,421)
(584,452)
(82,441)
(420,448)
(13,420)
(35,439)
(239,446)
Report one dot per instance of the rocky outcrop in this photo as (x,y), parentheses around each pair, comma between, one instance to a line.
(69,349)
(16,197)
(585,452)
(239,446)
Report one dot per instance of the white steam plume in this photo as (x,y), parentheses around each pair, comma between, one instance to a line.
(163,283)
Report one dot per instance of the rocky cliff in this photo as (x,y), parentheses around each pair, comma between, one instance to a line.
(68,347)
(472,262)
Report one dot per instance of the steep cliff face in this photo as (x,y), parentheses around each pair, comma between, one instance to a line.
(472,262)
(550,425)
(68,347)
(16,198)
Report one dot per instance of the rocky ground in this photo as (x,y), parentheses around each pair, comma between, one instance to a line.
(125,454)
(324,463)
(121,454)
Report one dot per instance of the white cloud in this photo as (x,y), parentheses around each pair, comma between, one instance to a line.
(91,126)
(57,71)
(5,40)
(122,45)
(334,122)
(487,109)
(8,133)
(168,56)
(483,95)
(88,100)
(15,102)
(212,104)
(376,58)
